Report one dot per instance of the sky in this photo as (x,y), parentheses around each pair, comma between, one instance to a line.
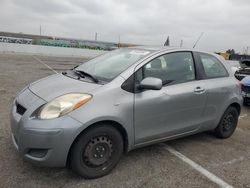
(225,23)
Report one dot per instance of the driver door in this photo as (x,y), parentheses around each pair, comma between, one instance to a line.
(175,109)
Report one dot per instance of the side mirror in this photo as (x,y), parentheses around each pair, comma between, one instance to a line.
(151,83)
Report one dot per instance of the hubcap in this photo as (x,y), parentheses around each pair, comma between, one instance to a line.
(228,122)
(98,151)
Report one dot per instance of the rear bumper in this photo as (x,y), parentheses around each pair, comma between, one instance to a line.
(43,142)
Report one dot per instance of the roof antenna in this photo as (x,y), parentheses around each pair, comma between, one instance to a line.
(198,39)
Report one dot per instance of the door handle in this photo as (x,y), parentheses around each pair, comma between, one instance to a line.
(199,90)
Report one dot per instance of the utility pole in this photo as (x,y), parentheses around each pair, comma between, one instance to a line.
(40,30)
(95,36)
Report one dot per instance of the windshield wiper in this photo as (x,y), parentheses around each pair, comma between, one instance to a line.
(83,74)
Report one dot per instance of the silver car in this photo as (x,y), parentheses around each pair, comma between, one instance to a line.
(89,116)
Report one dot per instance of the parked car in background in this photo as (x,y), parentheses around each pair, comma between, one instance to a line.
(128,98)
(244,70)
(245,83)
(235,65)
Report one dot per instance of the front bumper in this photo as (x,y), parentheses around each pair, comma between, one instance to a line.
(42,142)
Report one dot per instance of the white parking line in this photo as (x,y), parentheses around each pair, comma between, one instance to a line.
(40,61)
(199,168)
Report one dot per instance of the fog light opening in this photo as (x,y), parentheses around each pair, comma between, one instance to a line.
(38,153)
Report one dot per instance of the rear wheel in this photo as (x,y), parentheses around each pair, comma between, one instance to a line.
(97,151)
(227,123)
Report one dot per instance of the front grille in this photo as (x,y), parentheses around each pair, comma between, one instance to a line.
(20,109)
(246,89)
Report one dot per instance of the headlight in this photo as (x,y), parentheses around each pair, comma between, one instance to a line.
(63,105)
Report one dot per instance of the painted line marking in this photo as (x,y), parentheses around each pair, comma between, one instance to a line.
(198,168)
(40,61)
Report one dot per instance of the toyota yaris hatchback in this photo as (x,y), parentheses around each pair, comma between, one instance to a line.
(89,116)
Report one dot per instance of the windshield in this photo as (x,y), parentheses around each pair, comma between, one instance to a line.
(110,65)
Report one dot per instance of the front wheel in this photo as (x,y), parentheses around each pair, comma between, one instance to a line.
(227,123)
(97,151)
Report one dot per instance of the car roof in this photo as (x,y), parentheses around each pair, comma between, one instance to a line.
(167,48)
(155,48)
(171,48)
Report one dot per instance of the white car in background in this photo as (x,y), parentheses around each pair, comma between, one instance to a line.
(235,65)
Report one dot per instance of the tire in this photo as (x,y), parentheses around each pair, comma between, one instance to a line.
(228,123)
(96,152)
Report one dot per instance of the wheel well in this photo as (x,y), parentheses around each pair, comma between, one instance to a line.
(114,124)
(237,106)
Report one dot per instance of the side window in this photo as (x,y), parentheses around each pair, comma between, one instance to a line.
(172,68)
(212,66)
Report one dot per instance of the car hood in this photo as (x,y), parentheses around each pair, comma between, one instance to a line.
(56,85)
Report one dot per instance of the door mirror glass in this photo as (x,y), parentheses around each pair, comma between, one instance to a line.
(151,83)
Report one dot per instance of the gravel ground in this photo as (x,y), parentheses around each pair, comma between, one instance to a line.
(152,166)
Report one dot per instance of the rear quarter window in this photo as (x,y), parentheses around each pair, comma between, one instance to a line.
(213,68)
